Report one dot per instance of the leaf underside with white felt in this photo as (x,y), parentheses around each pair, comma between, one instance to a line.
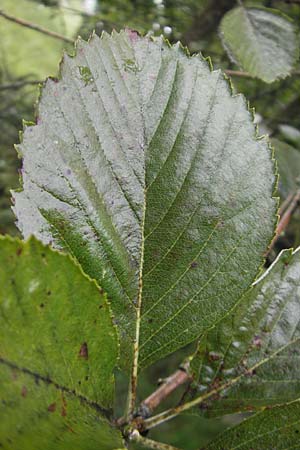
(147,170)
(276,428)
(58,351)
(256,349)
(262,41)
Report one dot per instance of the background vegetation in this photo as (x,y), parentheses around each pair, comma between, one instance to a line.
(27,56)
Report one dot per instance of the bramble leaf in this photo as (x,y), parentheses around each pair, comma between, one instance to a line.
(58,350)
(262,41)
(277,428)
(148,171)
(254,352)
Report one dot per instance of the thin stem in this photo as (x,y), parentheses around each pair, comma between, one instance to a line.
(149,443)
(286,203)
(136,345)
(286,217)
(33,26)
(240,73)
(173,412)
(168,386)
(19,84)
(237,73)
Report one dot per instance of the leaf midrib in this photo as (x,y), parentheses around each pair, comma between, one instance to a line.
(107,413)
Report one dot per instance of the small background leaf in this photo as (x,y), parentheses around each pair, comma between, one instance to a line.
(262,41)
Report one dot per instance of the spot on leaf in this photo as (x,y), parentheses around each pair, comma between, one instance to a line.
(64,407)
(83,352)
(52,407)
(24,391)
(86,75)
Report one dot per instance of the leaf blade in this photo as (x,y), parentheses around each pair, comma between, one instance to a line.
(58,346)
(278,426)
(61,420)
(127,201)
(256,346)
(260,40)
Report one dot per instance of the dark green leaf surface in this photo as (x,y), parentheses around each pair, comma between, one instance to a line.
(147,169)
(262,41)
(277,428)
(288,159)
(256,349)
(58,350)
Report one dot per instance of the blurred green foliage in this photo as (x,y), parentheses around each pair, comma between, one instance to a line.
(28,56)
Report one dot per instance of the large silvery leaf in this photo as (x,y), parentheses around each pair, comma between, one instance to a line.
(147,169)
(276,428)
(254,353)
(58,350)
(262,41)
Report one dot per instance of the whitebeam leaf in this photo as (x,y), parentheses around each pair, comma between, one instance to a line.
(254,352)
(145,168)
(262,41)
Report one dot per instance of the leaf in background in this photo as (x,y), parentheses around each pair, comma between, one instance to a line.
(276,428)
(255,350)
(57,354)
(262,41)
(72,11)
(146,169)
(290,134)
(288,159)
(25,52)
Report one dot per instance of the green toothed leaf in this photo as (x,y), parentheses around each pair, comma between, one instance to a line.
(276,428)
(147,170)
(262,41)
(254,353)
(58,350)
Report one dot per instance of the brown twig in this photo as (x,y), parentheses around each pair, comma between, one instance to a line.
(240,73)
(286,203)
(19,84)
(33,26)
(148,405)
(287,212)
(168,386)
(237,73)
